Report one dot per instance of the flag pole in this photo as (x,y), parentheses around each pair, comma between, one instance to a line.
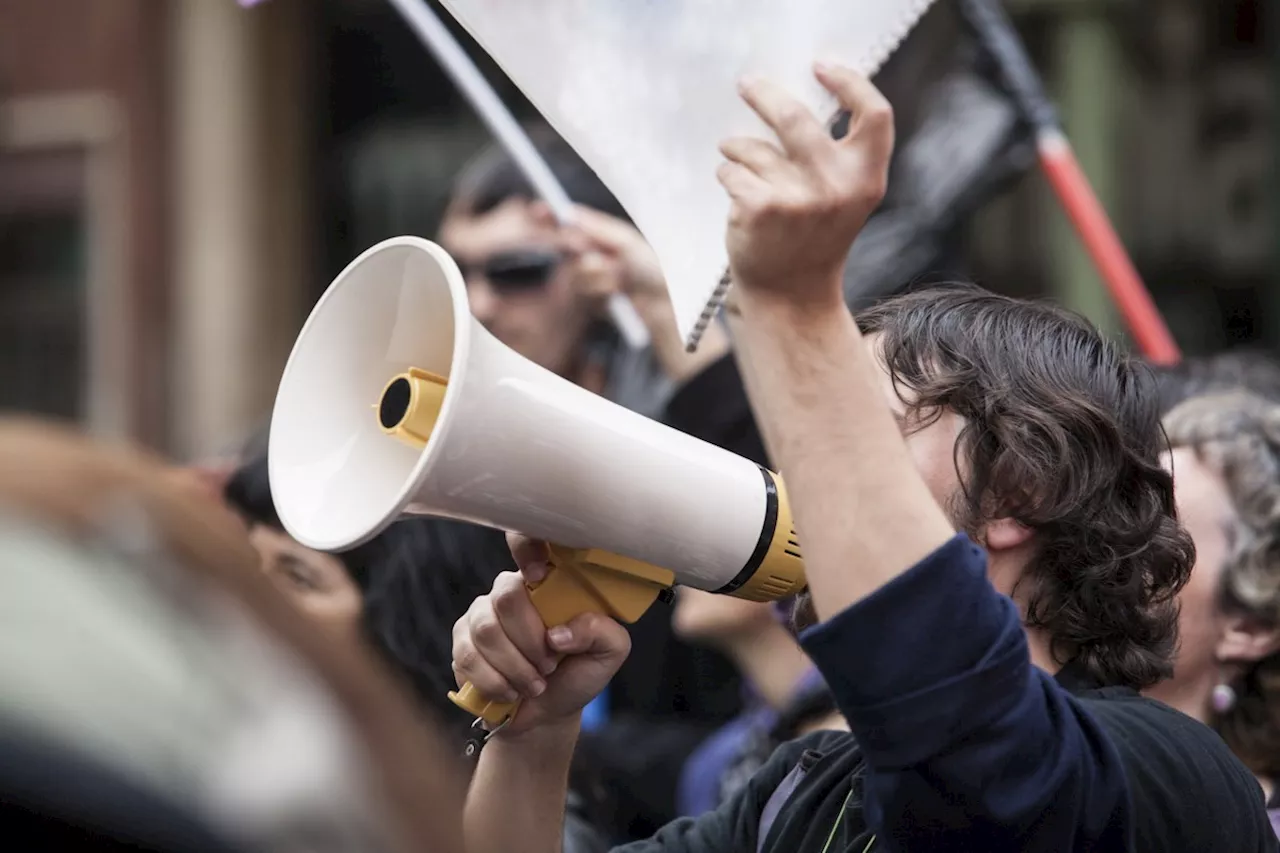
(436,37)
(996,33)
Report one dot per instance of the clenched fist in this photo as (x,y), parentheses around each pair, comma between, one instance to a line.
(502,647)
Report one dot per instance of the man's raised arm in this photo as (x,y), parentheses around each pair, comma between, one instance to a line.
(966,743)
(863,512)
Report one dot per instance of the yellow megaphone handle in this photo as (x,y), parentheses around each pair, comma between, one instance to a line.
(579,581)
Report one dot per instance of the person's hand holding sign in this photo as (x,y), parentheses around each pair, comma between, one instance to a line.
(797,207)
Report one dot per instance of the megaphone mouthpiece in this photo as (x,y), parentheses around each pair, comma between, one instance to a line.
(410,406)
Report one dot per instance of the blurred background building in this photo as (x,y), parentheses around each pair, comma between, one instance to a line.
(180,179)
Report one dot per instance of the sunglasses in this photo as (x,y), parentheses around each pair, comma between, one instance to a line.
(515,271)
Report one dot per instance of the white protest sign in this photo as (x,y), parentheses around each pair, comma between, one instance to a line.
(645,90)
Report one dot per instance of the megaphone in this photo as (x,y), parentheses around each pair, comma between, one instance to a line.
(395,401)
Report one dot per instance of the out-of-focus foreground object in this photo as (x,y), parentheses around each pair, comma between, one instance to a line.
(156,693)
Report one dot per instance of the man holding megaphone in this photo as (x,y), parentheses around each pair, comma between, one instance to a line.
(991,692)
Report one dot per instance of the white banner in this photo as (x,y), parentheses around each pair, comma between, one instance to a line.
(645,90)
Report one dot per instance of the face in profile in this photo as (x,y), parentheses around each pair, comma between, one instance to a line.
(317,583)
(931,441)
(517,285)
(1206,511)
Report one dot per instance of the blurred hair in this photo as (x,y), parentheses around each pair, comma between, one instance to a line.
(1062,434)
(52,474)
(1248,369)
(417,578)
(1237,435)
(493,177)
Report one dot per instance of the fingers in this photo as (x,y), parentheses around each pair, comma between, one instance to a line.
(607,232)
(487,643)
(595,276)
(742,184)
(521,622)
(590,229)
(591,634)
(762,158)
(531,556)
(871,116)
(799,131)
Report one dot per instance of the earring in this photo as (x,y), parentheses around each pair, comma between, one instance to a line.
(1224,698)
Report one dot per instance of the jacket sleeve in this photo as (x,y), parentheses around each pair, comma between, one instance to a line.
(968,746)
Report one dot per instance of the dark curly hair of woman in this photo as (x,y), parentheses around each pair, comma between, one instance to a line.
(1062,434)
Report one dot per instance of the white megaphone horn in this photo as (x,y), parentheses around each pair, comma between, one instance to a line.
(396,401)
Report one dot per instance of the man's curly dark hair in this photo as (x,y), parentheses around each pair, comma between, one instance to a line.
(1061,433)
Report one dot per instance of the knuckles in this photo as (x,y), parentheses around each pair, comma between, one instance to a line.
(508,590)
(597,624)
(793,117)
(485,627)
(464,657)
(878,115)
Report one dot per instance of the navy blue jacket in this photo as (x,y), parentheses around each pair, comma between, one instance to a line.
(959,744)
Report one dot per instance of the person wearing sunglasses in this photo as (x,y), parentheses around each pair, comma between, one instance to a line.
(542,289)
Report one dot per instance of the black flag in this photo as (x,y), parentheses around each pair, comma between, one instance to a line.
(961,140)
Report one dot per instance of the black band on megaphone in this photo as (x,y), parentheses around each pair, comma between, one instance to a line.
(766,535)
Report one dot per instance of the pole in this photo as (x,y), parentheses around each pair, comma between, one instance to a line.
(432,32)
(997,35)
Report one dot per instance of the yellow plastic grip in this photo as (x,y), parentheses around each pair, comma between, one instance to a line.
(579,581)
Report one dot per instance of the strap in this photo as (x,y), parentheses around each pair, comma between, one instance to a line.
(777,800)
(479,737)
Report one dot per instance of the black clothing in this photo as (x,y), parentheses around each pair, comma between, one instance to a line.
(1222,814)
(959,744)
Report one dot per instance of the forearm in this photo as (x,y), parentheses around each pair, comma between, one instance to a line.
(862,510)
(517,797)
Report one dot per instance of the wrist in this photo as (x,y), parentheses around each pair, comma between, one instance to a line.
(541,744)
(779,313)
(803,292)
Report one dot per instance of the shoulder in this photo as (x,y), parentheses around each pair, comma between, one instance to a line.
(808,750)
(736,823)
(1152,737)
(810,764)
(1186,788)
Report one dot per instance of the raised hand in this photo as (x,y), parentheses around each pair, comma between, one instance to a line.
(798,206)
(608,256)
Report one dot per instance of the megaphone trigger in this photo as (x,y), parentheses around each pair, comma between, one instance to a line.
(580,580)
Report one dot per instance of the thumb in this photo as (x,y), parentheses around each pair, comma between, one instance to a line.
(531,556)
(607,232)
(596,276)
(591,634)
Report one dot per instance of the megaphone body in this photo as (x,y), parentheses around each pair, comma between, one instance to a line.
(396,401)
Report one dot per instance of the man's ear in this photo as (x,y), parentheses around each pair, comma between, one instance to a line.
(1002,534)
(1247,639)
